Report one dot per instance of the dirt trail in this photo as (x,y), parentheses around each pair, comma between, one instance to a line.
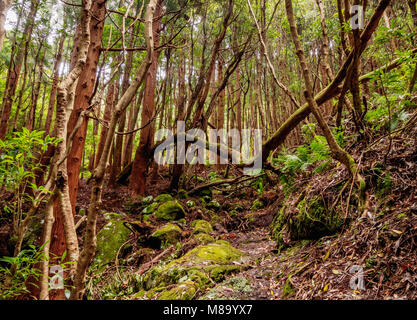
(255,282)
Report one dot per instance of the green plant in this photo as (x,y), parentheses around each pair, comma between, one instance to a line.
(14,284)
(18,167)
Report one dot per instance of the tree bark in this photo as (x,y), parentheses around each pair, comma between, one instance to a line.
(143,156)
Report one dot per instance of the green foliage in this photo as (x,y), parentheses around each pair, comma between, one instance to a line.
(15,284)
(314,153)
(18,166)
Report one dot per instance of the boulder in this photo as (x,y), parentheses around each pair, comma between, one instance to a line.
(167,235)
(183,291)
(170,211)
(163,198)
(216,260)
(202,226)
(203,238)
(110,238)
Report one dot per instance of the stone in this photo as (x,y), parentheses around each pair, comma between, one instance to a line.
(170,211)
(202,226)
(163,198)
(109,239)
(167,235)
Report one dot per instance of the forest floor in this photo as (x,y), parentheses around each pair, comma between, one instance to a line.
(380,242)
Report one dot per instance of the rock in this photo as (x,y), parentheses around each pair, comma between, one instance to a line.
(206,193)
(234,288)
(170,211)
(183,291)
(150,209)
(213,205)
(190,203)
(202,226)
(147,200)
(167,235)
(203,238)
(109,240)
(215,259)
(163,198)
(310,220)
(257,205)
(112,215)
(182,194)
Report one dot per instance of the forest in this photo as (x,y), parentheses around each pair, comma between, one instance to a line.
(208,150)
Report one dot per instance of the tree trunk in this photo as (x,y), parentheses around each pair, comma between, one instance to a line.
(14,70)
(137,183)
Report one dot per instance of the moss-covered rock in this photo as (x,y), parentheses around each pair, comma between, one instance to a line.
(257,205)
(206,193)
(190,203)
(215,260)
(213,205)
(309,221)
(110,238)
(182,194)
(163,198)
(183,291)
(150,208)
(112,215)
(234,288)
(170,211)
(147,200)
(202,226)
(203,238)
(167,235)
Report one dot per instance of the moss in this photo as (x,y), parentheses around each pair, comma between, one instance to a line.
(219,273)
(112,215)
(167,235)
(198,277)
(239,208)
(287,289)
(205,200)
(384,186)
(202,226)
(257,205)
(213,205)
(147,200)
(236,288)
(183,291)
(216,259)
(190,203)
(233,213)
(206,193)
(309,221)
(150,208)
(240,284)
(251,218)
(203,238)
(109,240)
(170,211)
(182,194)
(163,198)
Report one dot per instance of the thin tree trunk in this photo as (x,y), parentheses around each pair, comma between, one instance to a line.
(90,242)
(137,183)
